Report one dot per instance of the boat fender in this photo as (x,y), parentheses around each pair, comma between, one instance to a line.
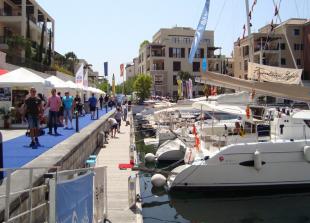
(257,160)
(149,158)
(158,180)
(307,153)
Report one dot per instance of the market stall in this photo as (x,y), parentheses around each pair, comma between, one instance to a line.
(14,87)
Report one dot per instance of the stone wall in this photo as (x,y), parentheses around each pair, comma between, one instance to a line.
(69,154)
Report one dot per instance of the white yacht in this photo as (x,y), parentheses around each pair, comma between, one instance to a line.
(281,162)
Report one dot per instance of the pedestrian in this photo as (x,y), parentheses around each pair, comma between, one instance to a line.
(78,104)
(92,105)
(60,114)
(101,101)
(113,126)
(33,108)
(106,100)
(118,117)
(125,112)
(53,103)
(69,104)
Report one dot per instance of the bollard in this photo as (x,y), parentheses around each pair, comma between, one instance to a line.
(97,113)
(1,156)
(77,122)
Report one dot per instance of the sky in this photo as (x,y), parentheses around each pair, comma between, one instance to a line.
(112,30)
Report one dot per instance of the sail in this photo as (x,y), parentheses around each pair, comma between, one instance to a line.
(266,73)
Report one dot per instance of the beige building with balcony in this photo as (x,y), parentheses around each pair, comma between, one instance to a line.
(132,68)
(272,48)
(25,18)
(168,53)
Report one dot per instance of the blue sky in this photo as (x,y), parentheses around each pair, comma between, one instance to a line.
(111,30)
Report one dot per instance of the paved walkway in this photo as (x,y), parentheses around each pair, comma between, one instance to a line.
(16,150)
(117,151)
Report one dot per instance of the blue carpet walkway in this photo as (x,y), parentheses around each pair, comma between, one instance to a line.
(17,151)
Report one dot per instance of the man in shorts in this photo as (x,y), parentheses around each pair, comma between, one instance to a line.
(33,107)
(54,103)
(92,105)
(68,103)
(113,126)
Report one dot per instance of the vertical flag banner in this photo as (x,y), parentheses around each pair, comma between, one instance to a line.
(85,79)
(74,200)
(121,70)
(204,64)
(113,85)
(180,88)
(200,30)
(79,76)
(190,88)
(106,73)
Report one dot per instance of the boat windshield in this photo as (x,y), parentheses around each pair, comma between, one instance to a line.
(223,116)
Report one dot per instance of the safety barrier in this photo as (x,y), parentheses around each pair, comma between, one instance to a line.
(99,181)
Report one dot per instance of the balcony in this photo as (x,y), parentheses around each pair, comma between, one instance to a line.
(5,12)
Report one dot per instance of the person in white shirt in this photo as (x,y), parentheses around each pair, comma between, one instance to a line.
(113,126)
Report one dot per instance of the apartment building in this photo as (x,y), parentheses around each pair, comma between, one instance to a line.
(25,18)
(132,68)
(167,55)
(272,48)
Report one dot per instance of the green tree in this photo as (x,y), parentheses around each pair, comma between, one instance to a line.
(142,85)
(184,75)
(144,43)
(104,85)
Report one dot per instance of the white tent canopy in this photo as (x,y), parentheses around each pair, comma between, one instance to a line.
(57,82)
(22,77)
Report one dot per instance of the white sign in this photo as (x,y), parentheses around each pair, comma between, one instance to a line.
(79,77)
(274,74)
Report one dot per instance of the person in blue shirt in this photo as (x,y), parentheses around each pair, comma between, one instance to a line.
(92,105)
(68,104)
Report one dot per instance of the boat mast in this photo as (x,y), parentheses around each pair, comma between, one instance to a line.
(247,10)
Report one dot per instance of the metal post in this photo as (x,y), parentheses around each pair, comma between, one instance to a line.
(97,113)
(7,196)
(249,31)
(30,195)
(1,156)
(77,122)
(52,200)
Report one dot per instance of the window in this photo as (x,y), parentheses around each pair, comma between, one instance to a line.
(200,93)
(176,66)
(296,32)
(301,46)
(283,61)
(245,65)
(282,46)
(298,62)
(296,46)
(196,66)
(177,52)
(175,80)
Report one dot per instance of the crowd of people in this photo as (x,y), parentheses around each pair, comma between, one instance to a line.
(57,111)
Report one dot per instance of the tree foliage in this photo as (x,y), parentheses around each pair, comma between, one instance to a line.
(144,43)
(184,75)
(142,85)
(104,85)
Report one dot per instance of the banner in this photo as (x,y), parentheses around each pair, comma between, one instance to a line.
(106,72)
(121,70)
(113,85)
(204,65)
(74,200)
(266,73)
(85,79)
(99,194)
(180,92)
(200,30)
(190,88)
(79,76)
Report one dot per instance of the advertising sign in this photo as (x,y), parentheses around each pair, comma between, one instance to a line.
(74,200)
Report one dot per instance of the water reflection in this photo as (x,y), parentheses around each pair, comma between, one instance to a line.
(158,206)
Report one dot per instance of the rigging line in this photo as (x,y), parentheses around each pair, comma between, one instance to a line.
(297,10)
(220,15)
